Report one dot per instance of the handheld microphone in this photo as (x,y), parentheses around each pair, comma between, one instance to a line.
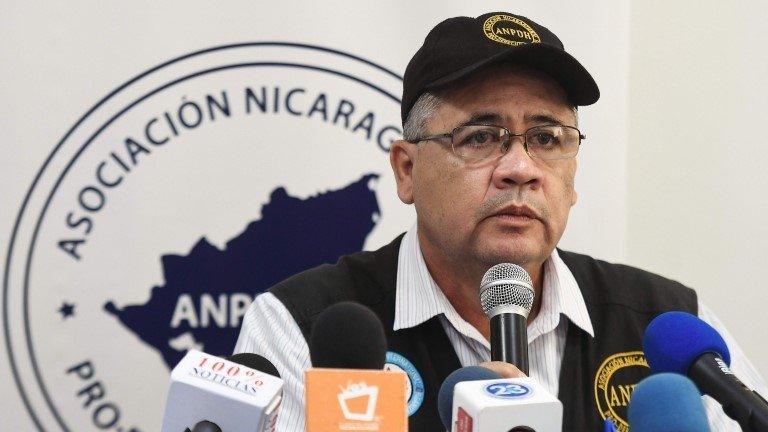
(347,389)
(474,399)
(216,394)
(683,343)
(666,402)
(506,294)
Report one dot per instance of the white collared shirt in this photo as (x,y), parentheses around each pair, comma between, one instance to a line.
(269,330)
(419,298)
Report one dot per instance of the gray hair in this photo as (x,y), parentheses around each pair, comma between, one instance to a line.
(426,105)
(415,125)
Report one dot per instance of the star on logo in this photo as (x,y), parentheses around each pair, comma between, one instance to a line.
(66,310)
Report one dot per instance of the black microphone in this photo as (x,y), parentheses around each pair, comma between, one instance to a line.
(506,294)
(348,335)
(206,426)
(683,343)
(256,362)
(347,381)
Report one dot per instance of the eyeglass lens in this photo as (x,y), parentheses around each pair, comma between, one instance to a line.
(479,142)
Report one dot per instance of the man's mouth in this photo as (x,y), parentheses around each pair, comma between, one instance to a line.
(516,213)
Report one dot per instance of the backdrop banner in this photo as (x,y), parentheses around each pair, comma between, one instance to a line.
(165,201)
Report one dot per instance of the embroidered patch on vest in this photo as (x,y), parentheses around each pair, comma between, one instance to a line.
(415,385)
(615,380)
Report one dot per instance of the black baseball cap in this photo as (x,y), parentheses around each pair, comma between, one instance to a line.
(459,46)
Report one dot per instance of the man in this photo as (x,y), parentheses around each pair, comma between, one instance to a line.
(488,160)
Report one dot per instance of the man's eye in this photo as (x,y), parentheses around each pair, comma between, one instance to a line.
(478,139)
(544,139)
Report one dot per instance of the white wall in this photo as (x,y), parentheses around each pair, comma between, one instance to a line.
(697,201)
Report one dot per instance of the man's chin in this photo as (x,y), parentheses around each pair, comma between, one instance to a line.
(520,252)
(495,243)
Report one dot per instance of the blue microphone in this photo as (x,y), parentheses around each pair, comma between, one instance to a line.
(608,426)
(666,402)
(682,343)
(445,397)
(673,341)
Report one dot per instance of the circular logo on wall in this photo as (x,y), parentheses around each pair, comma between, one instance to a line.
(175,200)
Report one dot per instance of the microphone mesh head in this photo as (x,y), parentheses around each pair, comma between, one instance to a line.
(506,271)
(506,284)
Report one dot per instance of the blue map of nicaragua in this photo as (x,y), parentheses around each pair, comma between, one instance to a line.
(207,291)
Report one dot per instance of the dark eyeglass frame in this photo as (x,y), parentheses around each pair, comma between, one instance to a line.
(508,145)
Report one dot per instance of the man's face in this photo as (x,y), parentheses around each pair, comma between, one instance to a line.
(511,209)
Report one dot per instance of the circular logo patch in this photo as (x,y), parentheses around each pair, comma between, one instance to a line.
(509,30)
(507,390)
(414,387)
(615,381)
(172,202)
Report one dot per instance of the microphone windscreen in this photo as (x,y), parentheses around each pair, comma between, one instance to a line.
(445,396)
(667,402)
(674,340)
(255,361)
(608,425)
(206,426)
(348,335)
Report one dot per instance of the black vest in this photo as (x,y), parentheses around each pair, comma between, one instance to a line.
(597,374)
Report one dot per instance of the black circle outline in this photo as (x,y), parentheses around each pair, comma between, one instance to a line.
(102,101)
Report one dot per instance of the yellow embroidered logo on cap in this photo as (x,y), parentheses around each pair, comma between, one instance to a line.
(509,30)
(615,381)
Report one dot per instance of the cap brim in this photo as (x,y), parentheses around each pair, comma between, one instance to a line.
(561,66)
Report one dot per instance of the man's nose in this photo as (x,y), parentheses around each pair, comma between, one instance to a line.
(516,168)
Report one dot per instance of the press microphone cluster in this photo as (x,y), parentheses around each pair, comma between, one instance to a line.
(347,388)
(213,394)
(682,343)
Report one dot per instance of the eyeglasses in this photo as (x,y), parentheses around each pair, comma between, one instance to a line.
(475,143)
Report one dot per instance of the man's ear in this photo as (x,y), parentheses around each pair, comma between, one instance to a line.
(401,156)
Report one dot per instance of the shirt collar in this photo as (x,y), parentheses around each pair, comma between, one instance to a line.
(418,298)
(561,295)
